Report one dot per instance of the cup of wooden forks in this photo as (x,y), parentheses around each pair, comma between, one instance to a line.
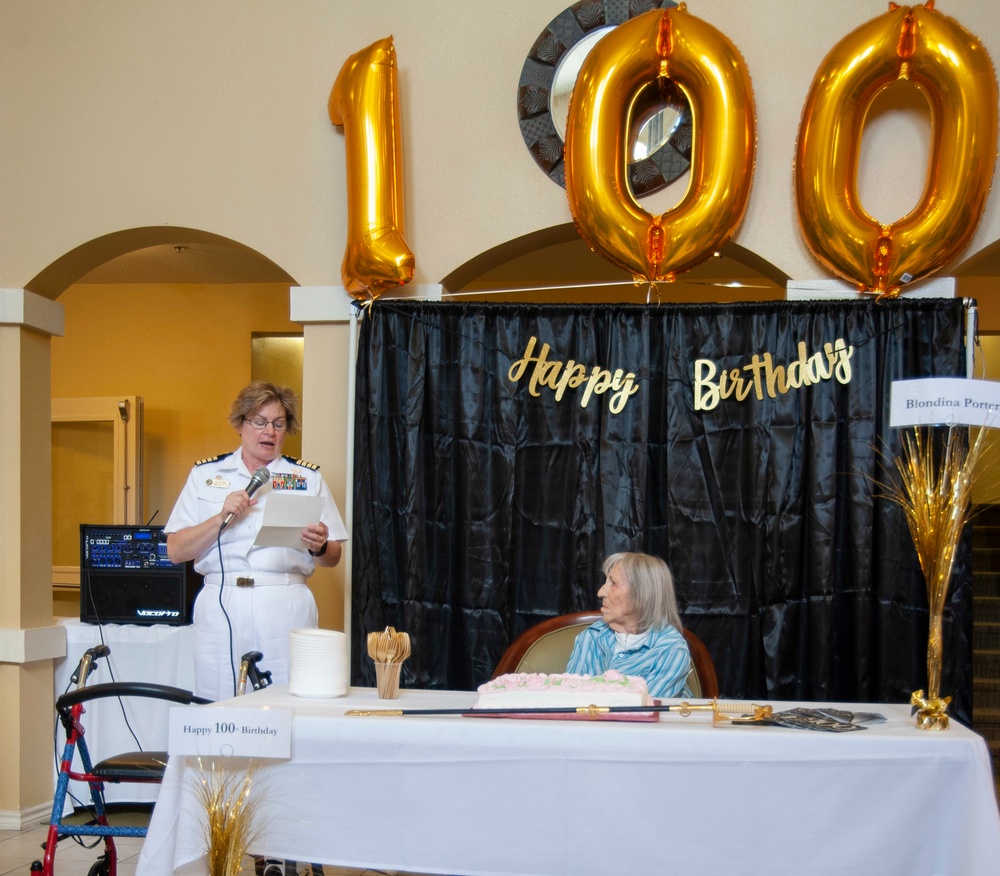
(389,650)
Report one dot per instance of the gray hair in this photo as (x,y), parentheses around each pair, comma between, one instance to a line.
(259,393)
(651,589)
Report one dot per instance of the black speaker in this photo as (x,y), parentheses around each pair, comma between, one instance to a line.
(127,578)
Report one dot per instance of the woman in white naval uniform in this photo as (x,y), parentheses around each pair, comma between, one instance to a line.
(253,596)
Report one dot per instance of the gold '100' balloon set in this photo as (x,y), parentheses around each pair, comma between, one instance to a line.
(915,43)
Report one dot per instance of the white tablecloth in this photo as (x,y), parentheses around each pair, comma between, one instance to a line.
(561,798)
(157,653)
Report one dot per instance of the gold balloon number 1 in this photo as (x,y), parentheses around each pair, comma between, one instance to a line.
(365,101)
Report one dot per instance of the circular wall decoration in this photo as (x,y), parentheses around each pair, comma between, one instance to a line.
(661,120)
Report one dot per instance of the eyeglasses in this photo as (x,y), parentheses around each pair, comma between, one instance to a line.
(259,423)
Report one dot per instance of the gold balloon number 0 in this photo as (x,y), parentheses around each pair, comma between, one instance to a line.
(952,69)
(365,101)
(707,67)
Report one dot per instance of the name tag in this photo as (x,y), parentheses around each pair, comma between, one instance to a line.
(954,401)
(207,731)
(219,482)
(288,482)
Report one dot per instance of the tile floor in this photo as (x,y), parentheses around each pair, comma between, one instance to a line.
(19,848)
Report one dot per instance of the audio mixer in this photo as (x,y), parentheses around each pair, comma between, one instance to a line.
(126,577)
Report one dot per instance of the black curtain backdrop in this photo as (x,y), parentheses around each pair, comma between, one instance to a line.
(488,489)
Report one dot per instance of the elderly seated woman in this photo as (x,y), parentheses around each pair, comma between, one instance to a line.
(640,632)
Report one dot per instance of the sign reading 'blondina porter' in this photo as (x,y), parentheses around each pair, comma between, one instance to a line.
(946,401)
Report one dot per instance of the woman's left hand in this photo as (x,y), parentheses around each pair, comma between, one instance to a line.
(315,536)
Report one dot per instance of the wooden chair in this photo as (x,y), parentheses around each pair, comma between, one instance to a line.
(546,647)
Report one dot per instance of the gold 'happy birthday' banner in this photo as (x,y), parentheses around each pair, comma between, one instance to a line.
(758,377)
(762,375)
(560,376)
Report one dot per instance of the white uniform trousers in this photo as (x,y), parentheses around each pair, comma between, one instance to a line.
(261,617)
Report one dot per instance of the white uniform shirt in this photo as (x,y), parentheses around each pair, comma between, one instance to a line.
(206,489)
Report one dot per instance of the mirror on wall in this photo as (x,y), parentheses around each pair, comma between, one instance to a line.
(660,123)
(659,112)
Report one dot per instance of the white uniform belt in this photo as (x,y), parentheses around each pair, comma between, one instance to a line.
(255,580)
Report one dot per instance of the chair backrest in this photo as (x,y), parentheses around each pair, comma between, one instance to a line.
(546,647)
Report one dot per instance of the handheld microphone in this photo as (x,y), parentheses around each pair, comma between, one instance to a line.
(246,661)
(248,670)
(87,662)
(260,477)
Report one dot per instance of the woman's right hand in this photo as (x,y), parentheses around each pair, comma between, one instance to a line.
(190,542)
(235,504)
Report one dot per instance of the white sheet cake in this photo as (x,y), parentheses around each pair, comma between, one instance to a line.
(537,690)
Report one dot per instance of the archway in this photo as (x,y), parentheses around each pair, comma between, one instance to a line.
(556,265)
(181,318)
(157,254)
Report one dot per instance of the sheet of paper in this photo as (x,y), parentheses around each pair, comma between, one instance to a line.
(285,516)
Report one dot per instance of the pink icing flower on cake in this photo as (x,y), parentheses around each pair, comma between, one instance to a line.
(538,681)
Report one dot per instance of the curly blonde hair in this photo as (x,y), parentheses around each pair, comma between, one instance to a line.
(259,393)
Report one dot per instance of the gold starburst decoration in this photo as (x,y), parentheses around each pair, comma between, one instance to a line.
(932,483)
(230,810)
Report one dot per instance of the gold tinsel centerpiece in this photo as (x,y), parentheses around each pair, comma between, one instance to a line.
(230,811)
(932,483)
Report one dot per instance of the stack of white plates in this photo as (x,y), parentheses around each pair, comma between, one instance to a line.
(318,663)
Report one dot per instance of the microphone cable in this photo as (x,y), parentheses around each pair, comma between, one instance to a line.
(225,614)
(260,477)
(111,672)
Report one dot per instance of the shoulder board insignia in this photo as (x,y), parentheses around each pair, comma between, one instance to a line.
(211,459)
(303,463)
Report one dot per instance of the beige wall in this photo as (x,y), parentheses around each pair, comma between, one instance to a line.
(184,349)
(211,114)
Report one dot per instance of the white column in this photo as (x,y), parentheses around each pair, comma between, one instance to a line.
(329,317)
(28,639)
